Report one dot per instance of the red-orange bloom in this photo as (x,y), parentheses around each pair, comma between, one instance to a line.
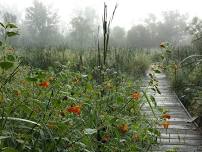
(123,128)
(166,116)
(44,84)
(136,95)
(166,124)
(75,109)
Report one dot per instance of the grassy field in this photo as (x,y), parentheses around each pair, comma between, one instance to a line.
(54,100)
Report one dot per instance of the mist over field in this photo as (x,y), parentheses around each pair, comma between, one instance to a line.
(152,22)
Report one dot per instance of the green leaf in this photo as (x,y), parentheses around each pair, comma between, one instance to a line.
(9,149)
(1,98)
(154,131)
(1,43)
(168,51)
(151,75)
(11,25)
(10,58)
(148,101)
(4,137)
(153,89)
(20,120)
(157,89)
(10,34)
(6,65)
(89,87)
(31,79)
(2,25)
(90,131)
(153,100)
(157,71)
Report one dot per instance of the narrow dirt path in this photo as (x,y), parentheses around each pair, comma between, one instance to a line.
(181,134)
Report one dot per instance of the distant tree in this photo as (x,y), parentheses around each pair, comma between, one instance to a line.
(149,35)
(138,37)
(152,26)
(83,29)
(173,27)
(40,26)
(195,29)
(9,17)
(118,37)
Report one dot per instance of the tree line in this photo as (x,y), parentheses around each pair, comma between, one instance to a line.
(41,29)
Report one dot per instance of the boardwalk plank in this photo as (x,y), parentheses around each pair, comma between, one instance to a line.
(186,137)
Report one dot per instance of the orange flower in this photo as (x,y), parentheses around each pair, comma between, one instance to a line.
(166,124)
(162,45)
(44,84)
(136,95)
(123,128)
(75,109)
(166,116)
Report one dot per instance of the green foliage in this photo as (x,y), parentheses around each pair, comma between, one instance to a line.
(6,65)
(11,25)
(172,150)
(65,109)
(7,60)
(185,71)
(44,58)
(56,127)
(10,34)
(40,26)
(86,104)
(10,57)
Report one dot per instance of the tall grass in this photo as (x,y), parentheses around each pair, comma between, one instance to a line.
(185,72)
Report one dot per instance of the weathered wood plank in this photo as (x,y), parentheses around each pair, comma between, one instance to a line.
(180,136)
(179,131)
(186,137)
(179,148)
(189,142)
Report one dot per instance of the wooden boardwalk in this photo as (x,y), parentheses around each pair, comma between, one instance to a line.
(182,135)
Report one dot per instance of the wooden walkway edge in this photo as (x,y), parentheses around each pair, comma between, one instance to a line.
(182,135)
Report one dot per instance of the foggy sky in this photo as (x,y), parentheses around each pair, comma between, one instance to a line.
(129,12)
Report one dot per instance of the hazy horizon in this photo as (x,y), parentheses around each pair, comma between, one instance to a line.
(129,12)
